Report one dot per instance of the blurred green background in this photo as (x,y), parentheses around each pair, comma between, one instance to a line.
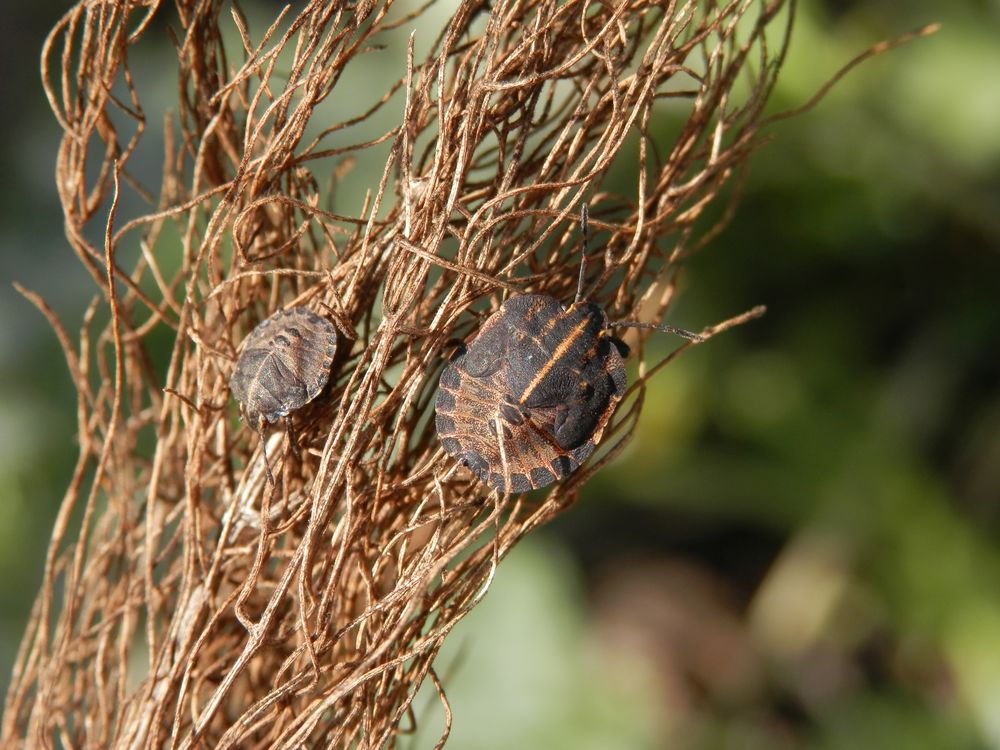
(799,549)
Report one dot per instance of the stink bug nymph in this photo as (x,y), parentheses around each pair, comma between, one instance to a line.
(549,376)
(285,363)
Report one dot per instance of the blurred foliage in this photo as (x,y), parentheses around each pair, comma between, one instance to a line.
(799,548)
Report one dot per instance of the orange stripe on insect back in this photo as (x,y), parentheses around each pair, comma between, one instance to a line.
(564,345)
(539,340)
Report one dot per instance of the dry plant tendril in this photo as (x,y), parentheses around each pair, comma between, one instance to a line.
(186,601)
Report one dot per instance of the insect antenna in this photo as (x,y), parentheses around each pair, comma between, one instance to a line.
(259,427)
(293,439)
(695,337)
(583,253)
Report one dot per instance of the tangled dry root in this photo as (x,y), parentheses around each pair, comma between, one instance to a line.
(187,602)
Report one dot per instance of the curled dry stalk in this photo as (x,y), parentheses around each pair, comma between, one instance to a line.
(188,602)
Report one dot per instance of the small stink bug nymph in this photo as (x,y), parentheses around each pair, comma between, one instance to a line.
(533,391)
(284,365)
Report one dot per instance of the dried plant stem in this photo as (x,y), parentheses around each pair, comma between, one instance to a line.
(189,602)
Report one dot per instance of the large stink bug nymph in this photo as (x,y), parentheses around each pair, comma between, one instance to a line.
(530,395)
(284,364)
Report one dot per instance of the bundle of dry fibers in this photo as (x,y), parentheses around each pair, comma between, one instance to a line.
(188,601)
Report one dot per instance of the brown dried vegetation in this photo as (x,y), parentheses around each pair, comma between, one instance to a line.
(187,602)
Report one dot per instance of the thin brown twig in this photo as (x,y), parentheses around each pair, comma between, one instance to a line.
(219,609)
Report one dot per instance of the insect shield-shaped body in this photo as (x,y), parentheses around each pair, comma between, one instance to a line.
(549,376)
(284,364)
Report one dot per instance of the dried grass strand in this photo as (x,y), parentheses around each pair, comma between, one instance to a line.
(202,604)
